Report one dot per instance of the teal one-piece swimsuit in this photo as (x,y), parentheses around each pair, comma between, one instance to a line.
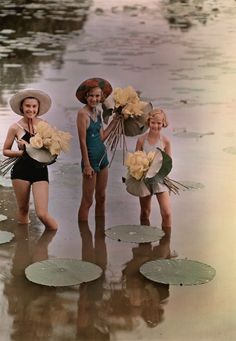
(96,148)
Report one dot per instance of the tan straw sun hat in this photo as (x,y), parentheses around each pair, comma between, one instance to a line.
(44,100)
(91,83)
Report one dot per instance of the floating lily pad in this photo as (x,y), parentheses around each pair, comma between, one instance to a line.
(230,150)
(3,217)
(134,233)
(5,237)
(5,182)
(62,272)
(190,185)
(191,134)
(177,271)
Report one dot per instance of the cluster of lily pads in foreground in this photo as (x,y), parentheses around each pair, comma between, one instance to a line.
(61,272)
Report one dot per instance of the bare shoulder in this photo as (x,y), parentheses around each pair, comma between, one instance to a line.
(140,142)
(166,140)
(82,115)
(14,127)
(142,138)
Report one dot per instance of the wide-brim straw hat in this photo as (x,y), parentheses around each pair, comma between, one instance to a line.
(43,98)
(91,83)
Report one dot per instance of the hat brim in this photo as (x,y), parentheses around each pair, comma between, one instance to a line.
(91,83)
(44,101)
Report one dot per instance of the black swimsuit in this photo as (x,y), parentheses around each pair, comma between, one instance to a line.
(27,169)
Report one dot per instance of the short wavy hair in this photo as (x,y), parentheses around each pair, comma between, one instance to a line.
(154,114)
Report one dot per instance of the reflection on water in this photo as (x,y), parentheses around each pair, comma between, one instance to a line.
(185,14)
(27,303)
(32,32)
(90,326)
(104,306)
(181,56)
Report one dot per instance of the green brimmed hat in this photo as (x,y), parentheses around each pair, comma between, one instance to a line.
(91,83)
(44,101)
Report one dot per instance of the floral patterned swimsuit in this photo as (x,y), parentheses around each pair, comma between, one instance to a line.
(96,148)
(26,168)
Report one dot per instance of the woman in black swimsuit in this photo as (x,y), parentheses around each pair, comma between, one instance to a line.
(26,173)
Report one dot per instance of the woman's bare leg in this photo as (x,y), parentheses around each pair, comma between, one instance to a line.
(145,205)
(100,193)
(165,209)
(40,191)
(22,194)
(87,196)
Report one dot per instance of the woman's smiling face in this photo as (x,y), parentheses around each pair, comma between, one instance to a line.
(94,97)
(30,107)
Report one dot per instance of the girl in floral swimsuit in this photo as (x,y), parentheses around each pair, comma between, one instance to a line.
(93,151)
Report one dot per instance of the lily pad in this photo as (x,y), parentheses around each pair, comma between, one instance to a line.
(62,272)
(5,182)
(5,237)
(192,134)
(191,185)
(230,150)
(178,271)
(3,217)
(134,233)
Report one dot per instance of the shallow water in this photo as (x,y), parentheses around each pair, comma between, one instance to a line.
(182,59)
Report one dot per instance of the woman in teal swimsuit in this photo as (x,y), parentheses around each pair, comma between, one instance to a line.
(93,151)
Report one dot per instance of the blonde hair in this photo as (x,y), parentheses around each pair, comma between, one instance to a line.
(152,115)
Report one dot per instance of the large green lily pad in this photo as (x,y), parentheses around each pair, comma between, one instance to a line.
(62,272)
(5,237)
(134,233)
(178,271)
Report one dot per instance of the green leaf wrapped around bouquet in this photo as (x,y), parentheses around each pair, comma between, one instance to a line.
(137,125)
(160,167)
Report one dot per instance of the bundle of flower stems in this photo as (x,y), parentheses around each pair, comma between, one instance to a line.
(173,185)
(7,164)
(117,135)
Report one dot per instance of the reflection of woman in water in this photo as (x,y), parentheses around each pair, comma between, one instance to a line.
(33,317)
(135,296)
(89,324)
(146,298)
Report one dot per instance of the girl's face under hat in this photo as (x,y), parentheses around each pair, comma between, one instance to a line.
(30,107)
(94,97)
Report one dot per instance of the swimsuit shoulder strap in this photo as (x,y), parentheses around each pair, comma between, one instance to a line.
(20,126)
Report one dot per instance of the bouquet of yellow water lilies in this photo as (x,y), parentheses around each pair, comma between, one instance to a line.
(50,138)
(44,146)
(132,113)
(146,170)
(138,163)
